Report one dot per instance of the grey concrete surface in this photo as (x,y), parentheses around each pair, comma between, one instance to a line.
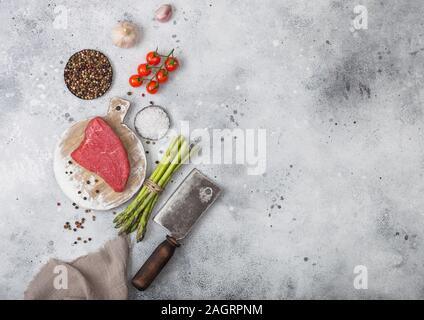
(345,151)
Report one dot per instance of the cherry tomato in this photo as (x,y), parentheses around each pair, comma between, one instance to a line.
(153,58)
(171,64)
(136,80)
(162,75)
(144,69)
(152,87)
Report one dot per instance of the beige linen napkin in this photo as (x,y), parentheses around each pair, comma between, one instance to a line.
(98,275)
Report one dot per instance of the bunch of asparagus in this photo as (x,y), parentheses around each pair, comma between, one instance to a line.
(137,214)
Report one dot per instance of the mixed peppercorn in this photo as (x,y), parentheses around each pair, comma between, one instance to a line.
(88,74)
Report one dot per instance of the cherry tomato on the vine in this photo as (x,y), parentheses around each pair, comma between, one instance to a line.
(144,69)
(171,64)
(152,87)
(153,58)
(162,75)
(136,80)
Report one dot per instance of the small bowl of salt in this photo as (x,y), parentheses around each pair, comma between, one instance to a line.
(152,122)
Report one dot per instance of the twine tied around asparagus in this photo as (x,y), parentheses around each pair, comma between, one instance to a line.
(152,186)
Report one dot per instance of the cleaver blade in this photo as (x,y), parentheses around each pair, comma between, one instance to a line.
(192,197)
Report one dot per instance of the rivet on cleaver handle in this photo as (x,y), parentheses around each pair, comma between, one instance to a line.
(193,197)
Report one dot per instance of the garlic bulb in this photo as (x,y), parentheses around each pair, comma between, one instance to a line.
(125,34)
(163,13)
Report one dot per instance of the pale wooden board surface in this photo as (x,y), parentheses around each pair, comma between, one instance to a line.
(87,189)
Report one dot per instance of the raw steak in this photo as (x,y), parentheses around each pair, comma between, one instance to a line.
(103,153)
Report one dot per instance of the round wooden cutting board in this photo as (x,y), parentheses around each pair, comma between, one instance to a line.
(87,189)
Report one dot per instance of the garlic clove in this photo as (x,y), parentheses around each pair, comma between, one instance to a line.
(125,34)
(163,13)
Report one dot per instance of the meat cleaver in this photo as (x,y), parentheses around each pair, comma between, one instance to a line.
(192,197)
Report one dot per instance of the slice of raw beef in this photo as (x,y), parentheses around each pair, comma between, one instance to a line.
(103,153)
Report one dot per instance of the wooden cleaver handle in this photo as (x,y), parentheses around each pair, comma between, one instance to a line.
(153,266)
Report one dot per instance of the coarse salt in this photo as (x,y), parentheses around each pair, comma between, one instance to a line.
(152,122)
